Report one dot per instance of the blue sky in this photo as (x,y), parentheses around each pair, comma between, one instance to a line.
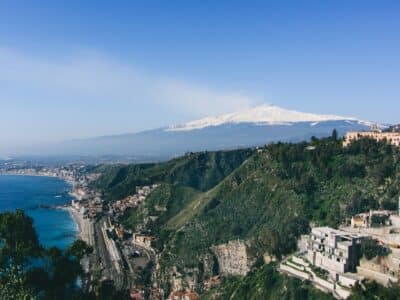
(72,69)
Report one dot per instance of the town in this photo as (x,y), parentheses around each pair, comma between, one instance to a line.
(119,254)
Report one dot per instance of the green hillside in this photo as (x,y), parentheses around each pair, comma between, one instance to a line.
(200,171)
(267,198)
(265,283)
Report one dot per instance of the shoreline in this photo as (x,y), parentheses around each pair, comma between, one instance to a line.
(83,225)
(76,224)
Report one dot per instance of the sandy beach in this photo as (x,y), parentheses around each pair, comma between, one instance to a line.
(85,226)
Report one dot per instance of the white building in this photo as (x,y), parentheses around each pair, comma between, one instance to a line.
(334,250)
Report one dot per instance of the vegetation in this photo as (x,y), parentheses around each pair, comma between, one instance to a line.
(27,270)
(79,249)
(371,249)
(377,221)
(200,171)
(164,203)
(265,283)
(30,271)
(266,197)
(373,291)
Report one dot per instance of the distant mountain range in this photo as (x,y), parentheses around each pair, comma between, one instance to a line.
(253,127)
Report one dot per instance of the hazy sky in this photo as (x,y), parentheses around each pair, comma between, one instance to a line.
(71,69)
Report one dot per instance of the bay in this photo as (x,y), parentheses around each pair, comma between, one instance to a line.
(37,196)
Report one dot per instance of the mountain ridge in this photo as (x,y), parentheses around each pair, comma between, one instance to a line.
(264,114)
(249,128)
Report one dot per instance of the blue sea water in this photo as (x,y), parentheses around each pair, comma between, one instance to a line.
(55,227)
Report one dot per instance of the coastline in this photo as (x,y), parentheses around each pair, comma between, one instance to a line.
(69,181)
(41,199)
(83,224)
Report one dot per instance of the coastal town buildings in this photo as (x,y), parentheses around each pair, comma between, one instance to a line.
(114,255)
(118,207)
(87,201)
(143,239)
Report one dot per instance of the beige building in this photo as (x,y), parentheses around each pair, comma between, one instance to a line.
(392,138)
(143,240)
(365,220)
(333,250)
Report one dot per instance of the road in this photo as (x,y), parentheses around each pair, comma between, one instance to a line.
(150,253)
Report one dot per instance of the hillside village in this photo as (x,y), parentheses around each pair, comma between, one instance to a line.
(123,251)
(334,262)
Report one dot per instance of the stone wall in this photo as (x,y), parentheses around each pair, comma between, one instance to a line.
(371,269)
(232,258)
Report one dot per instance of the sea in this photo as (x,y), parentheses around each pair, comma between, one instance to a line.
(38,196)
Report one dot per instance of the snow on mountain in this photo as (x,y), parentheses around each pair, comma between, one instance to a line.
(261,115)
(249,128)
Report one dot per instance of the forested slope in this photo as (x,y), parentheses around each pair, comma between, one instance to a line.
(200,171)
(266,197)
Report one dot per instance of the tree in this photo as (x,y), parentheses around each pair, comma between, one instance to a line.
(79,249)
(334,135)
(19,239)
(371,249)
(19,243)
(27,270)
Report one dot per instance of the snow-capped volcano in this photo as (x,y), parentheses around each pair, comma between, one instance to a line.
(249,128)
(261,115)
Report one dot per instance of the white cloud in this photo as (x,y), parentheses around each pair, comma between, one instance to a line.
(89,73)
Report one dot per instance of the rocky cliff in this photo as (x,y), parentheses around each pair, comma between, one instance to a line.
(232,258)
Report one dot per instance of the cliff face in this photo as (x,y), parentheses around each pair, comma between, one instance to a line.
(232,258)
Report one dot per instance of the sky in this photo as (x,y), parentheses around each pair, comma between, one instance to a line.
(76,69)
